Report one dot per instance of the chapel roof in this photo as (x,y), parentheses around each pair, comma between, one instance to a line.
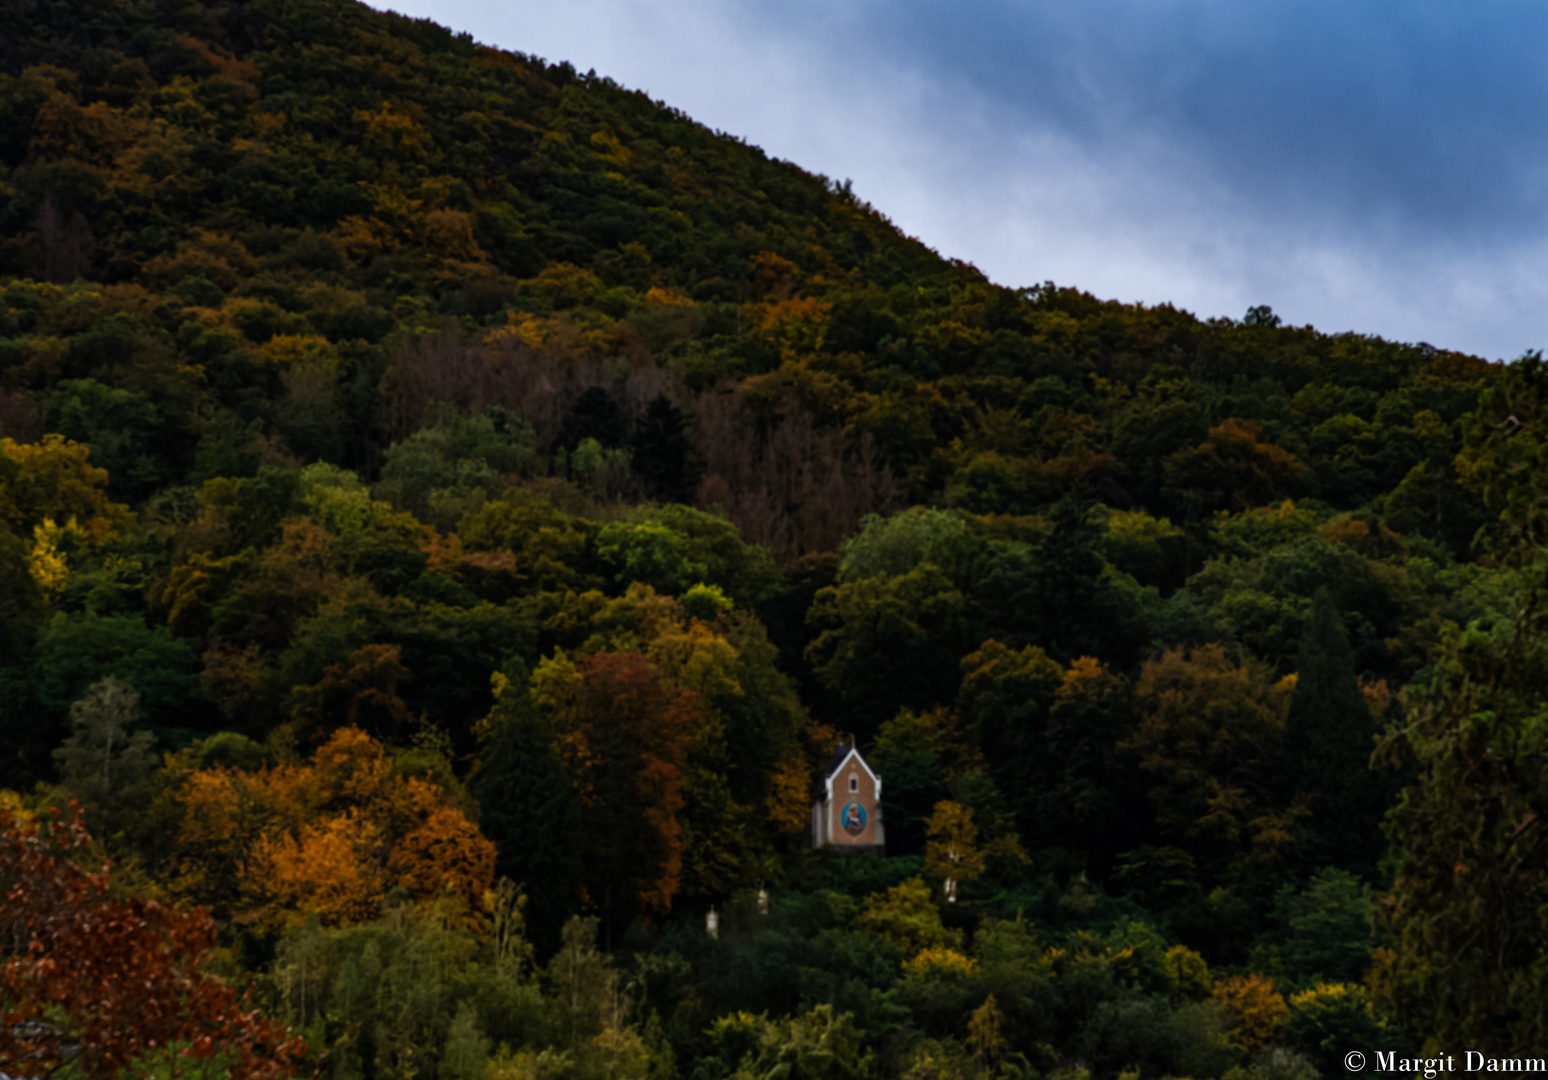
(840,755)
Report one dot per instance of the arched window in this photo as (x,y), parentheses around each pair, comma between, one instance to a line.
(854,783)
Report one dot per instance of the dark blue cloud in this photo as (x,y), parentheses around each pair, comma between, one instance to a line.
(1415,114)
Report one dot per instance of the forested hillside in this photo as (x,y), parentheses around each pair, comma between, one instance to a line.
(451,507)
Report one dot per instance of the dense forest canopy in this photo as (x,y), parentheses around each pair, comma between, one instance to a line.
(451,507)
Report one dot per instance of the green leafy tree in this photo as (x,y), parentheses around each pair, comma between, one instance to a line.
(1329,929)
(584,984)
(372,539)
(549,549)
(907,752)
(1431,501)
(673,548)
(1504,452)
(127,435)
(888,643)
(1151,549)
(1058,597)
(271,590)
(451,465)
(360,692)
(1209,743)
(766,722)
(75,651)
(817,1045)
(413,1005)
(1234,468)
(466,1054)
(623,729)
(1467,943)
(404,995)
(891,546)
(21,601)
(1006,698)
(905,916)
(1325,1019)
(1162,419)
(1085,795)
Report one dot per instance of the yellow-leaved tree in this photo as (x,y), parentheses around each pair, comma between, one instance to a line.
(951,850)
(53,480)
(1252,1007)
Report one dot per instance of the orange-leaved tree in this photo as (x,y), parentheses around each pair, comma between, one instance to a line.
(105,983)
(1234,468)
(331,836)
(623,729)
(363,691)
(1210,742)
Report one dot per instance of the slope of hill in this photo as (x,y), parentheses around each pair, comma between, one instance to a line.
(242,173)
(424,464)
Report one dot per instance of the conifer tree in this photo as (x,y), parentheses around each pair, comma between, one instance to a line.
(531,811)
(1468,862)
(595,415)
(1329,736)
(1068,583)
(663,453)
(21,602)
(906,753)
(1060,600)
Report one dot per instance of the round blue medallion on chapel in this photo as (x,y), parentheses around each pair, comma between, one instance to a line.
(852,819)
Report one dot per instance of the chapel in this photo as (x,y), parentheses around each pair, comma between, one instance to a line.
(846,805)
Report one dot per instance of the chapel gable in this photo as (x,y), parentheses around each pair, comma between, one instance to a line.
(846,805)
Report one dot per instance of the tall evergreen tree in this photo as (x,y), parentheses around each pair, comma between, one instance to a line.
(23,747)
(1469,863)
(1468,858)
(530,808)
(1329,736)
(21,602)
(595,415)
(663,453)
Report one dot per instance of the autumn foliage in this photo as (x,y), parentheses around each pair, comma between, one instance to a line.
(1252,1007)
(105,983)
(623,730)
(331,836)
(423,464)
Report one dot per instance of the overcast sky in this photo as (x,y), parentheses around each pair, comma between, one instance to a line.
(1370,165)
